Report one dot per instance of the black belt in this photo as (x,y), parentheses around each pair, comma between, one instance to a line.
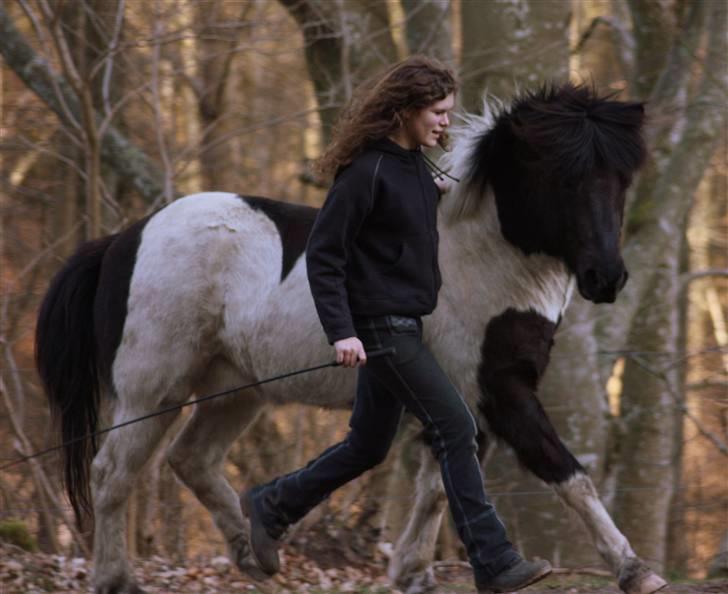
(393,321)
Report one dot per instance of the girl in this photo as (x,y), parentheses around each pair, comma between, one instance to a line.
(373,271)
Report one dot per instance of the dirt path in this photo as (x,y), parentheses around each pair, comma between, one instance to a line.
(34,573)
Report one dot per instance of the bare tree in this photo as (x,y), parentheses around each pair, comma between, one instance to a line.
(512,45)
(57,93)
(428,24)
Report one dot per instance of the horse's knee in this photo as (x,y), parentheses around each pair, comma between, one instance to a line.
(515,354)
(516,416)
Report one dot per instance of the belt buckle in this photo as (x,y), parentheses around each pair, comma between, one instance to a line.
(402,322)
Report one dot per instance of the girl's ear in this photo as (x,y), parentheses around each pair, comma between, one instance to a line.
(406,114)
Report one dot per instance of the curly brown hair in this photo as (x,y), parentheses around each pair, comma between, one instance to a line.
(376,109)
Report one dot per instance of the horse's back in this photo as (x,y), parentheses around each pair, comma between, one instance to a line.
(216,274)
(195,258)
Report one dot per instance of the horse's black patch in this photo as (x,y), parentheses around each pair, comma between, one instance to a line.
(110,306)
(294,223)
(515,353)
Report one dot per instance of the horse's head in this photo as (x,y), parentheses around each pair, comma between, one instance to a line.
(560,161)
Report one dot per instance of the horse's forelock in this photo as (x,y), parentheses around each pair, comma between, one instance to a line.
(570,127)
(574,130)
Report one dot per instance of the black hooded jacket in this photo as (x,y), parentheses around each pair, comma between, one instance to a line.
(373,248)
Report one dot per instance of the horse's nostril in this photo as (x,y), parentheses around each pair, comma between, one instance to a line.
(625,278)
(591,278)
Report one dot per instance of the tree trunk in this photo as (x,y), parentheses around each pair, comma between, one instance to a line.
(323,51)
(215,54)
(681,139)
(513,45)
(652,393)
(649,409)
(428,28)
(345,43)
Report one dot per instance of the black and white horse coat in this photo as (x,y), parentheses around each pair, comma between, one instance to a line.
(211,292)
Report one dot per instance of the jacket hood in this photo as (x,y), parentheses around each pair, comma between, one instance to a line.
(386,145)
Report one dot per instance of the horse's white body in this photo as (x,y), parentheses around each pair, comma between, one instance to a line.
(207,310)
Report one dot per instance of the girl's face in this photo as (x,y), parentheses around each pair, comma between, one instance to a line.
(424,127)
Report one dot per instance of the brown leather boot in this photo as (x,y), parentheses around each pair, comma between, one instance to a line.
(522,574)
(263,546)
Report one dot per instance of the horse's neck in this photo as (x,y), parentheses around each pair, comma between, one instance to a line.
(484,275)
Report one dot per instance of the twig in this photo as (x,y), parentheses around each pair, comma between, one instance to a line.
(42,483)
(109,60)
(712,437)
(594,571)
(708,272)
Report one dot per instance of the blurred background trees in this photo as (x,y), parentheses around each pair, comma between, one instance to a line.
(111,108)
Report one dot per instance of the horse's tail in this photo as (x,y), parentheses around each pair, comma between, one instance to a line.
(66,357)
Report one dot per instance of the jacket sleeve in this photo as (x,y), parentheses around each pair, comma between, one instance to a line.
(347,204)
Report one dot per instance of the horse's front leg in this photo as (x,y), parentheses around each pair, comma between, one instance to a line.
(514,356)
(634,576)
(410,564)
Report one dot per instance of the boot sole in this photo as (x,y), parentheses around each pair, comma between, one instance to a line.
(532,580)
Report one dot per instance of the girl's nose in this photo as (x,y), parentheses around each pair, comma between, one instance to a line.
(445,120)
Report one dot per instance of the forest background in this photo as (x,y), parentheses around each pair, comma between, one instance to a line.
(110,109)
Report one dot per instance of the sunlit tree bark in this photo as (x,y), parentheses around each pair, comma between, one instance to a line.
(218,35)
(429,28)
(345,42)
(507,45)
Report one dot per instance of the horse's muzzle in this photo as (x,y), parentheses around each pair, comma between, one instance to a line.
(598,287)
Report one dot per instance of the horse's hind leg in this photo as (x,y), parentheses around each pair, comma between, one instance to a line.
(198,453)
(113,473)
(410,565)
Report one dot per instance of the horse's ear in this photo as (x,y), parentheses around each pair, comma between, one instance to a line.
(637,111)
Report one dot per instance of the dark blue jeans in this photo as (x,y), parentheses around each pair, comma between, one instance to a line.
(410,379)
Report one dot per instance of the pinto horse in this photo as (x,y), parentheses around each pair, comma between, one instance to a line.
(211,292)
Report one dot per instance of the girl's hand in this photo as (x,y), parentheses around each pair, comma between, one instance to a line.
(442,184)
(350,352)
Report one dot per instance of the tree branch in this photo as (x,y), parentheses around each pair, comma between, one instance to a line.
(681,406)
(116,150)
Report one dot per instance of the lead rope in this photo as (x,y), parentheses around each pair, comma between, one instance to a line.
(434,168)
(370,355)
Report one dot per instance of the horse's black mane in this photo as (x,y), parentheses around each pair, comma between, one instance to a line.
(566,129)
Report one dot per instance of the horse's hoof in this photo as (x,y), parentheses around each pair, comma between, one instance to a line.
(636,578)
(422,582)
(240,553)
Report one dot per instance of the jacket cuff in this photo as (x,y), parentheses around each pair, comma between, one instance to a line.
(339,333)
